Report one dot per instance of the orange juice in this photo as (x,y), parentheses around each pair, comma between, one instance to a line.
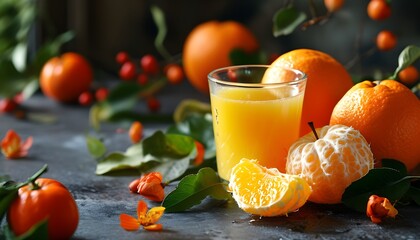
(255,123)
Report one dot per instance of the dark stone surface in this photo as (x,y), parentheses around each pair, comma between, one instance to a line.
(102,198)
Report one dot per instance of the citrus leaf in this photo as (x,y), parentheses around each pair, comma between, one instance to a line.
(193,189)
(200,128)
(169,154)
(168,145)
(171,170)
(7,196)
(131,160)
(286,20)
(39,231)
(384,182)
(240,57)
(11,80)
(95,146)
(408,56)
(395,164)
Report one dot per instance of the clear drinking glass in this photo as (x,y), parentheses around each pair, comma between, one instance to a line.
(256,113)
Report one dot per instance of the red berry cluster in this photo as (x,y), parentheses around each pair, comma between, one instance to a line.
(148,67)
(88,97)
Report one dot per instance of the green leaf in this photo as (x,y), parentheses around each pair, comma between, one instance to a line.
(200,128)
(384,182)
(37,232)
(11,80)
(171,169)
(395,164)
(169,154)
(131,160)
(240,57)
(408,56)
(95,146)
(159,19)
(286,20)
(168,145)
(7,196)
(193,189)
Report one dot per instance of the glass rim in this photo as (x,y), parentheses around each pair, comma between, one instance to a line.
(301,77)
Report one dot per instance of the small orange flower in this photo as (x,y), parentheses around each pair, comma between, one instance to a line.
(12,147)
(145,218)
(379,208)
(150,186)
(136,132)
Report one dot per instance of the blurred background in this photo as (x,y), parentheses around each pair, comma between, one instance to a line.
(104,27)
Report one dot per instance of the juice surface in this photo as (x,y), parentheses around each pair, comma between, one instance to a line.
(255,124)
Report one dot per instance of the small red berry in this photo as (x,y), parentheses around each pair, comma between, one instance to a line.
(122,57)
(142,78)
(174,73)
(101,94)
(153,104)
(86,98)
(7,105)
(149,64)
(128,71)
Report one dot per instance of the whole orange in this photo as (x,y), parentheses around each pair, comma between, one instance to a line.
(64,78)
(46,199)
(208,47)
(388,115)
(327,82)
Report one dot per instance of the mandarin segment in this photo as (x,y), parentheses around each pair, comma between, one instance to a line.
(265,191)
(331,163)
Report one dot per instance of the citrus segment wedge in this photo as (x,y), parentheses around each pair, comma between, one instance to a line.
(266,191)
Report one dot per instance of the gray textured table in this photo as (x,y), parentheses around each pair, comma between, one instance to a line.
(102,198)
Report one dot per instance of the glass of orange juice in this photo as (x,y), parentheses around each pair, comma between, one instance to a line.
(256,113)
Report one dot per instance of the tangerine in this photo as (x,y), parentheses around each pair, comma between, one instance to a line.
(333,5)
(266,191)
(327,82)
(45,199)
(409,75)
(208,47)
(330,161)
(386,40)
(387,113)
(64,78)
(378,10)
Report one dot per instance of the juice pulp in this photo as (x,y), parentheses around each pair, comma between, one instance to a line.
(256,124)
